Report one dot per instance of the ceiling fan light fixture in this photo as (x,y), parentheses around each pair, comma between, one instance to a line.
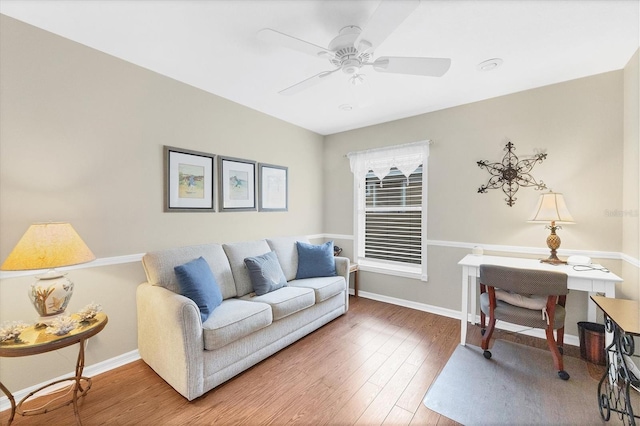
(489,64)
(357,79)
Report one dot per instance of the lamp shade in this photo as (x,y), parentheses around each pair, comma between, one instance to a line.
(46,246)
(551,208)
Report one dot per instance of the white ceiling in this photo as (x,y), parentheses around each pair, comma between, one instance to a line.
(213,45)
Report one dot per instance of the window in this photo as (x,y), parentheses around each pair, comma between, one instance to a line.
(390,209)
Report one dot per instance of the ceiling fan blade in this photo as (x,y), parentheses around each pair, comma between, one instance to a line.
(387,17)
(285,40)
(431,67)
(304,84)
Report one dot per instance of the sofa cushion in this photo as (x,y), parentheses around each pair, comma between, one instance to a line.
(158,265)
(324,287)
(315,260)
(233,320)
(198,284)
(237,253)
(265,273)
(285,301)
(285,248)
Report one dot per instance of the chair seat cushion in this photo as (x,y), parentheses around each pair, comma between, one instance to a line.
(233,320)
(285,301)
(324,287)
(522,316)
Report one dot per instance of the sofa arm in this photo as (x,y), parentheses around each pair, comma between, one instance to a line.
(342,269)
(170,338)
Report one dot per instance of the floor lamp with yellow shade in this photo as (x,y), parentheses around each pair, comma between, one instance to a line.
(48,246)
(552,208)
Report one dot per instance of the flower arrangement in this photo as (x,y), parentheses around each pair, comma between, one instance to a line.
(89,312)
(10,330)
(61,325)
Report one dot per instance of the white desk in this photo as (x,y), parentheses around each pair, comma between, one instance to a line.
(589,281)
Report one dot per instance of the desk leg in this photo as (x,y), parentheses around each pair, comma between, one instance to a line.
(13,403)
(473,290)
(591,307)
(464,310)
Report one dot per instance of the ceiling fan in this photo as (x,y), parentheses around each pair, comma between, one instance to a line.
(353,48)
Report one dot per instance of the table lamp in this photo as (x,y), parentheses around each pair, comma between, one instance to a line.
(47,246)
(552,208)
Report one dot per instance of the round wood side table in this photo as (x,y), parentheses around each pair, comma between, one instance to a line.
(34,340)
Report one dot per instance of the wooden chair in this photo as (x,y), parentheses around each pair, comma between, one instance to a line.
(525,282)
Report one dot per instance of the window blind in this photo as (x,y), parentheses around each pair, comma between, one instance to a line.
(393,217)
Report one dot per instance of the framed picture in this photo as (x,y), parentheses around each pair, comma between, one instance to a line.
(189,185)
(237,180)
(274,188)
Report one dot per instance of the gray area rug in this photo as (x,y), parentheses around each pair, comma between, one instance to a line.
(517,386)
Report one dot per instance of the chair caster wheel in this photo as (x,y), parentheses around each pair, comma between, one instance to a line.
(563,375)
(487,354)
(482,331)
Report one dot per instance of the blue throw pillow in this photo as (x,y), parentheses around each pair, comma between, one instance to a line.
(315,261)
(265,273)
(198,284)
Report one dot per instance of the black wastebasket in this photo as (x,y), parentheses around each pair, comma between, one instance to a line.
(592,342)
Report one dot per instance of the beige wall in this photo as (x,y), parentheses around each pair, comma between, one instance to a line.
(578,123)
(631,178)
(81,141)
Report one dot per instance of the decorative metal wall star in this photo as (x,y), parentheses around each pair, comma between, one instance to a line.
(511,174)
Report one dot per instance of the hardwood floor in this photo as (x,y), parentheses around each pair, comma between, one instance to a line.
(371,366)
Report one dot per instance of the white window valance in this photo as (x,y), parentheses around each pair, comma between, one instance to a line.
(406,158)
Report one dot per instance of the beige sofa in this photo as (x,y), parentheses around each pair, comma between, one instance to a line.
(195,357)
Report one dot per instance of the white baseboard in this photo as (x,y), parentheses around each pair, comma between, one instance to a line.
(89,371)
(569,339)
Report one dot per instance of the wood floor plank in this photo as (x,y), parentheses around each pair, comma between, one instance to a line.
(398,417)
(351,366)
(347,390)
(415,391)
(393,363)
(356,405)
(387,397)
